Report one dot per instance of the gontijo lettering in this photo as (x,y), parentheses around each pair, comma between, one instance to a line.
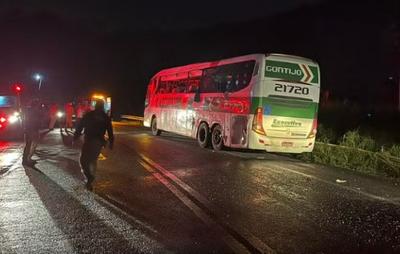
(292,71)
(285,70)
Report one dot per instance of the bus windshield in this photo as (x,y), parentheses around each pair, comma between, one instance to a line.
(8,101)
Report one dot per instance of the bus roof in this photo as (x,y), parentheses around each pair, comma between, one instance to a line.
(291,56)
(204,65)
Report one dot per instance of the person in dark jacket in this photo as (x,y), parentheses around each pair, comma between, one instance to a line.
(32,123)
(95,124)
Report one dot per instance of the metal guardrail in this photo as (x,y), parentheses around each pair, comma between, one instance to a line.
(131,117)
(394,158)
(383,158)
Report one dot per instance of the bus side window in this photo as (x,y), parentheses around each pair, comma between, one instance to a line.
(208,81)
(182,86)
(193,81)
(163,87)
(193,84)
(237,76)
(170,87)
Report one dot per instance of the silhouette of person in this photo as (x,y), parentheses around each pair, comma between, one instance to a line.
(95,124)
(32,123)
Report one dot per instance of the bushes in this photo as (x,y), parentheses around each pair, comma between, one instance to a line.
(326,135)
(395,150)
(371,147)
(355,152)
(355,140)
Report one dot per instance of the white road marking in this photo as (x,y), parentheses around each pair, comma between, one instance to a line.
(250,238)
(144,225)
(236,246)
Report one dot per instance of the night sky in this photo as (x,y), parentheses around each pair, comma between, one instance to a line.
(116,46)
(112,16)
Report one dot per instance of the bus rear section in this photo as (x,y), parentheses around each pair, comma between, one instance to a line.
(285,105)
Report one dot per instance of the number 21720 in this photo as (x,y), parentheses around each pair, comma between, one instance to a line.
(284,88)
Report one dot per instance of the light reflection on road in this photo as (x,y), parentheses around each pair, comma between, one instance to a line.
(8,159)
(10,154)
(4,145)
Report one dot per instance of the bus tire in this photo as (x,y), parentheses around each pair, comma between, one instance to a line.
(154,130)
(217,139)
(203,135)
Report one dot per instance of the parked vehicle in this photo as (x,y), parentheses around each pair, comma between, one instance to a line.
(10,117)
(267,102)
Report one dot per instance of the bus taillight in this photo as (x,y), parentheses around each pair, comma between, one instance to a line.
(258,121)
(313,131)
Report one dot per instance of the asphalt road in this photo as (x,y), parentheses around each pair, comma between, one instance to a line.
(166,194)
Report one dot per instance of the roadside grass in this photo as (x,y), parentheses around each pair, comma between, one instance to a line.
(354,152)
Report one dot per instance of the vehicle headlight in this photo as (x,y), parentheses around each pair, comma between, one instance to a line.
(60,114)
(12,119)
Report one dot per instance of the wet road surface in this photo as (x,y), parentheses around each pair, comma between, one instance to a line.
(165,194)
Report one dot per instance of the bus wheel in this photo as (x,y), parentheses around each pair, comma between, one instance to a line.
(203,135)
(154,130)
(217,139)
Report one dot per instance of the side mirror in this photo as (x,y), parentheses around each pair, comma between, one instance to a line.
(197,95)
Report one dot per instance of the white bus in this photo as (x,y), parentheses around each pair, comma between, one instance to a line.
(258,101)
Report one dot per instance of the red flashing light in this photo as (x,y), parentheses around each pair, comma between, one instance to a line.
(258,121)
(17,88)
(3,119)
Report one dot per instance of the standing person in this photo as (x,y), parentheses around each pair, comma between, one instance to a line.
(32,122)
(53,115)
(81,109)
(95,124)
(69,111)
